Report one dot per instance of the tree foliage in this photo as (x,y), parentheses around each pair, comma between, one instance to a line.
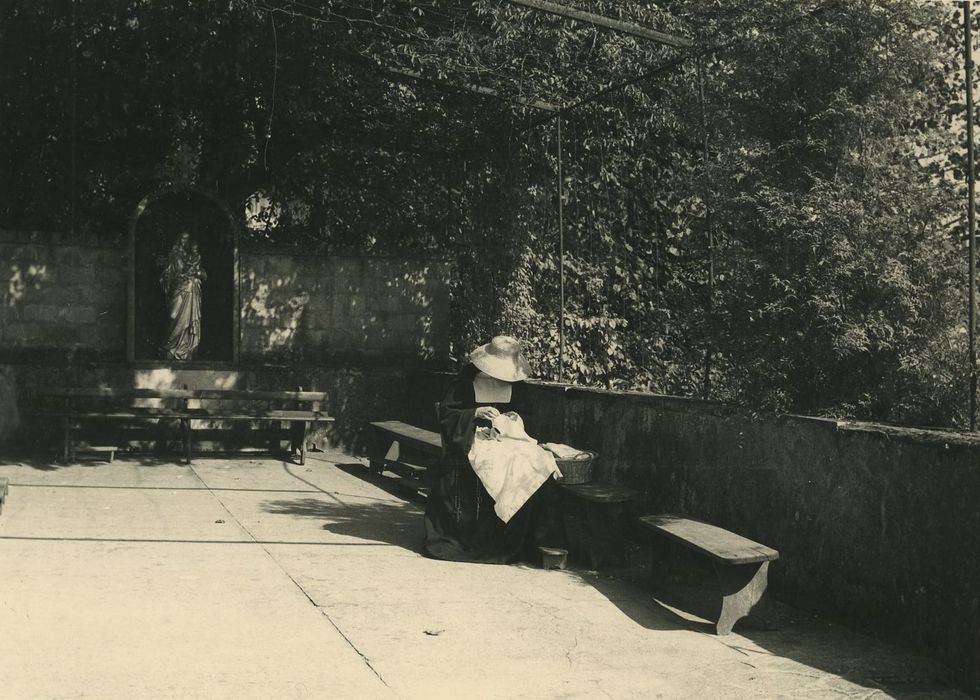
(772,217)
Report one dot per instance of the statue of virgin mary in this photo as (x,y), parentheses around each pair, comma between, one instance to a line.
(182,277)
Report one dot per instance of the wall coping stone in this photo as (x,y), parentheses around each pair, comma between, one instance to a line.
(886,431)
(931,436)
(63,239)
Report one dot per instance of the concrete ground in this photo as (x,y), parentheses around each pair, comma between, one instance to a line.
(248,577)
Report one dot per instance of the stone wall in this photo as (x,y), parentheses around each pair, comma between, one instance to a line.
(349,326)
(875,524)
(64,297)
(60,292)
(343,306)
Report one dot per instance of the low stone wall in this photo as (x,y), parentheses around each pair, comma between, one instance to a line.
(875,524)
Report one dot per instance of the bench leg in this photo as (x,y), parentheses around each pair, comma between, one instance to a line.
(377,460)
(380,447)
(185,427)
(295,438)
(302,442)
(742,587)
(66,440)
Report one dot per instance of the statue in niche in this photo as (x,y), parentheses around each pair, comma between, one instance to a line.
(181,278)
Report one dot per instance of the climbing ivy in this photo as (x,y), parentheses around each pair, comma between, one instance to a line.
(772,216)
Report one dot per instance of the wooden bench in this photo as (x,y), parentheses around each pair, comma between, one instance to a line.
(405,450)
(607,511)
(71,405)
(409,451)
(3,492)
(741,566)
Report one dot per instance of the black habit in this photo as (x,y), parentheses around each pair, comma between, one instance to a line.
(460,522)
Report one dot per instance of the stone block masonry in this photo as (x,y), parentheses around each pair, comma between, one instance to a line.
(60,293)
(68,295)
(319,307)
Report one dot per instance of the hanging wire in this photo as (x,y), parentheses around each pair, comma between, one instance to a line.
(561,264)
(272,101)
(74,109)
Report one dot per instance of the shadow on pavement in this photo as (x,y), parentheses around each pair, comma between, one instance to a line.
(784,640)
(634,603)
(777,633)
(387,522)
(384,483)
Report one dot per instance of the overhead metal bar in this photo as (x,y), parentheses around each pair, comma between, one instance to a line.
(613,87)
(476,89)
(630,28)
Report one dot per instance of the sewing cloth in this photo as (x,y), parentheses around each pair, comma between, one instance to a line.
(562,451)
(510,464)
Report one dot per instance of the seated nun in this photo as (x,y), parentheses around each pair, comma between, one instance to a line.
(487,503)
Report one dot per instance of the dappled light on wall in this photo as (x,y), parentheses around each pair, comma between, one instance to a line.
(22,279)
(261,213)
(276,306)
(162,378)
(316,307)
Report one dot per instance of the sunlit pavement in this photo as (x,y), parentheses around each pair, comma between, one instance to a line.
(248,577)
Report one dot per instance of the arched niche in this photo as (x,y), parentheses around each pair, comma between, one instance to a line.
(154,227)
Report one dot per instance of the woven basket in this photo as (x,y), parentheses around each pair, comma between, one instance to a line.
(576,471)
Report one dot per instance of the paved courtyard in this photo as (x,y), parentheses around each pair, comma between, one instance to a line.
(247,577)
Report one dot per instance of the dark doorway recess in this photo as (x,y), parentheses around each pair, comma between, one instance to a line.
(158,222)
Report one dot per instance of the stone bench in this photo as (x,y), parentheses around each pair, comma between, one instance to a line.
(71,405)
(741,566)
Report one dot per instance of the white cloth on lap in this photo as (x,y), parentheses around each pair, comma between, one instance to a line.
(510,464)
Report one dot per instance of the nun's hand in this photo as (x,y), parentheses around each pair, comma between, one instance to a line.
(487,412)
